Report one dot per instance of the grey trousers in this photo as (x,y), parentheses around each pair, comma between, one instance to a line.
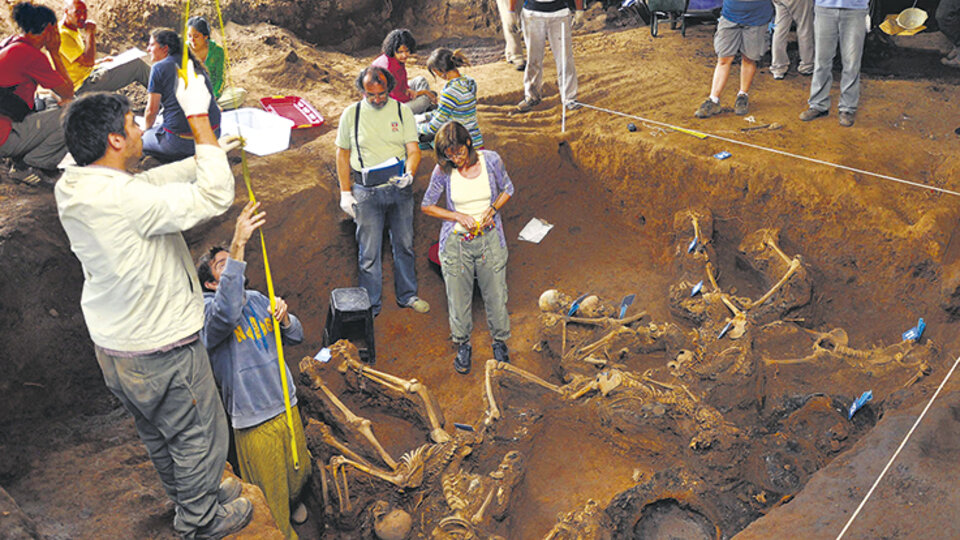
(483,261)
(38,140)
(789,11)
(948,17)
(174,402)
(537,28)
(513,48)
(111,80)
(848,28)
(420,104)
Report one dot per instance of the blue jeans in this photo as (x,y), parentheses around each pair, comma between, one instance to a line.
(168,147)
(848,28)
(376,207)
(179,417)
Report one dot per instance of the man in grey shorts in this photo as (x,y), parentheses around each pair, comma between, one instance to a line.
(742,29)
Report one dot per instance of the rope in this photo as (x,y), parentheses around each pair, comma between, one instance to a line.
(897,453)
(702,135)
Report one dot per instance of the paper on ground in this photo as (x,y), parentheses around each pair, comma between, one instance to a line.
(535,230)
(123,58)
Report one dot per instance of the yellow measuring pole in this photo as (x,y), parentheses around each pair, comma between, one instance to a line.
(263,243)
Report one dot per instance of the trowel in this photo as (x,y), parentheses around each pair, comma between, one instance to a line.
(576,305)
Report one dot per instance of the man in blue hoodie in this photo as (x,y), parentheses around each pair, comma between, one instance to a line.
(238,331)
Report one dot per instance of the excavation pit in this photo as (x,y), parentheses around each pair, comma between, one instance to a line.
(877,256)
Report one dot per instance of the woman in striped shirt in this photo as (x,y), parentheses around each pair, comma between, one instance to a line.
(457,101)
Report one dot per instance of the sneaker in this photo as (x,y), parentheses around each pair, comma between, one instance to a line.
(846,118)
(812,114)
(742,106)
(462,362)
(500,353)
(778,76)
(417,304)
(527,105)
(229,490)
(572,105)
(808,73)
(520,65)
(30,176)
(299,515)
(707,109)
(231,518)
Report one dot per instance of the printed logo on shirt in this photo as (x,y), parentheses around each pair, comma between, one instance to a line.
(257,331)
(395,126)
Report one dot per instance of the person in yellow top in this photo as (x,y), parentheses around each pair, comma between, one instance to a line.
(78,50)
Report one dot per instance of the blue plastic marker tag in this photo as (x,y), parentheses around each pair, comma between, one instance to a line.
(722,155)
(696,289)
(465,427)
(693,245)
(725,330)
(859,402)
(914,333)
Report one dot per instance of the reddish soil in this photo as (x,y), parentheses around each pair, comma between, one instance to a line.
(881,254)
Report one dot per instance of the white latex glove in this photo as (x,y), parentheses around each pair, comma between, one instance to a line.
(230,142)
(193,96)
(578,19)
(348,203)
(402,181)
(513,25)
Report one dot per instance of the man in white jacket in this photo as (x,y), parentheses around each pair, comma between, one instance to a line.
(142,301)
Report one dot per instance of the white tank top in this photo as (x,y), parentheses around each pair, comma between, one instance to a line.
(470,196)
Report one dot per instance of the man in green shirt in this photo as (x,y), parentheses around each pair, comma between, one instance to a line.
(377,157)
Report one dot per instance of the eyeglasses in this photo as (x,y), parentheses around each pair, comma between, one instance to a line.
(456,152)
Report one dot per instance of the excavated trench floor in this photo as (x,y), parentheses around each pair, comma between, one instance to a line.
(877,257)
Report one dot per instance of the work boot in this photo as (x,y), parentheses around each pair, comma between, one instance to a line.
(229,490)
(707,109)
(847,118)
(742,106)
(231,518)
(500,353)
(462,362)
(812,114)
(527,105)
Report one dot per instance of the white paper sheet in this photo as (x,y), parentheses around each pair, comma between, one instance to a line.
(535,230)
(123,58)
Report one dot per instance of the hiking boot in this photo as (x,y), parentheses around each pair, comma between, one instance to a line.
(500,353)
(847,118)
(527,105)
(299,515)
(231,518)
(462,362)
(417,304)
(229,490)
(707,109)
(812,114)
(742,106)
